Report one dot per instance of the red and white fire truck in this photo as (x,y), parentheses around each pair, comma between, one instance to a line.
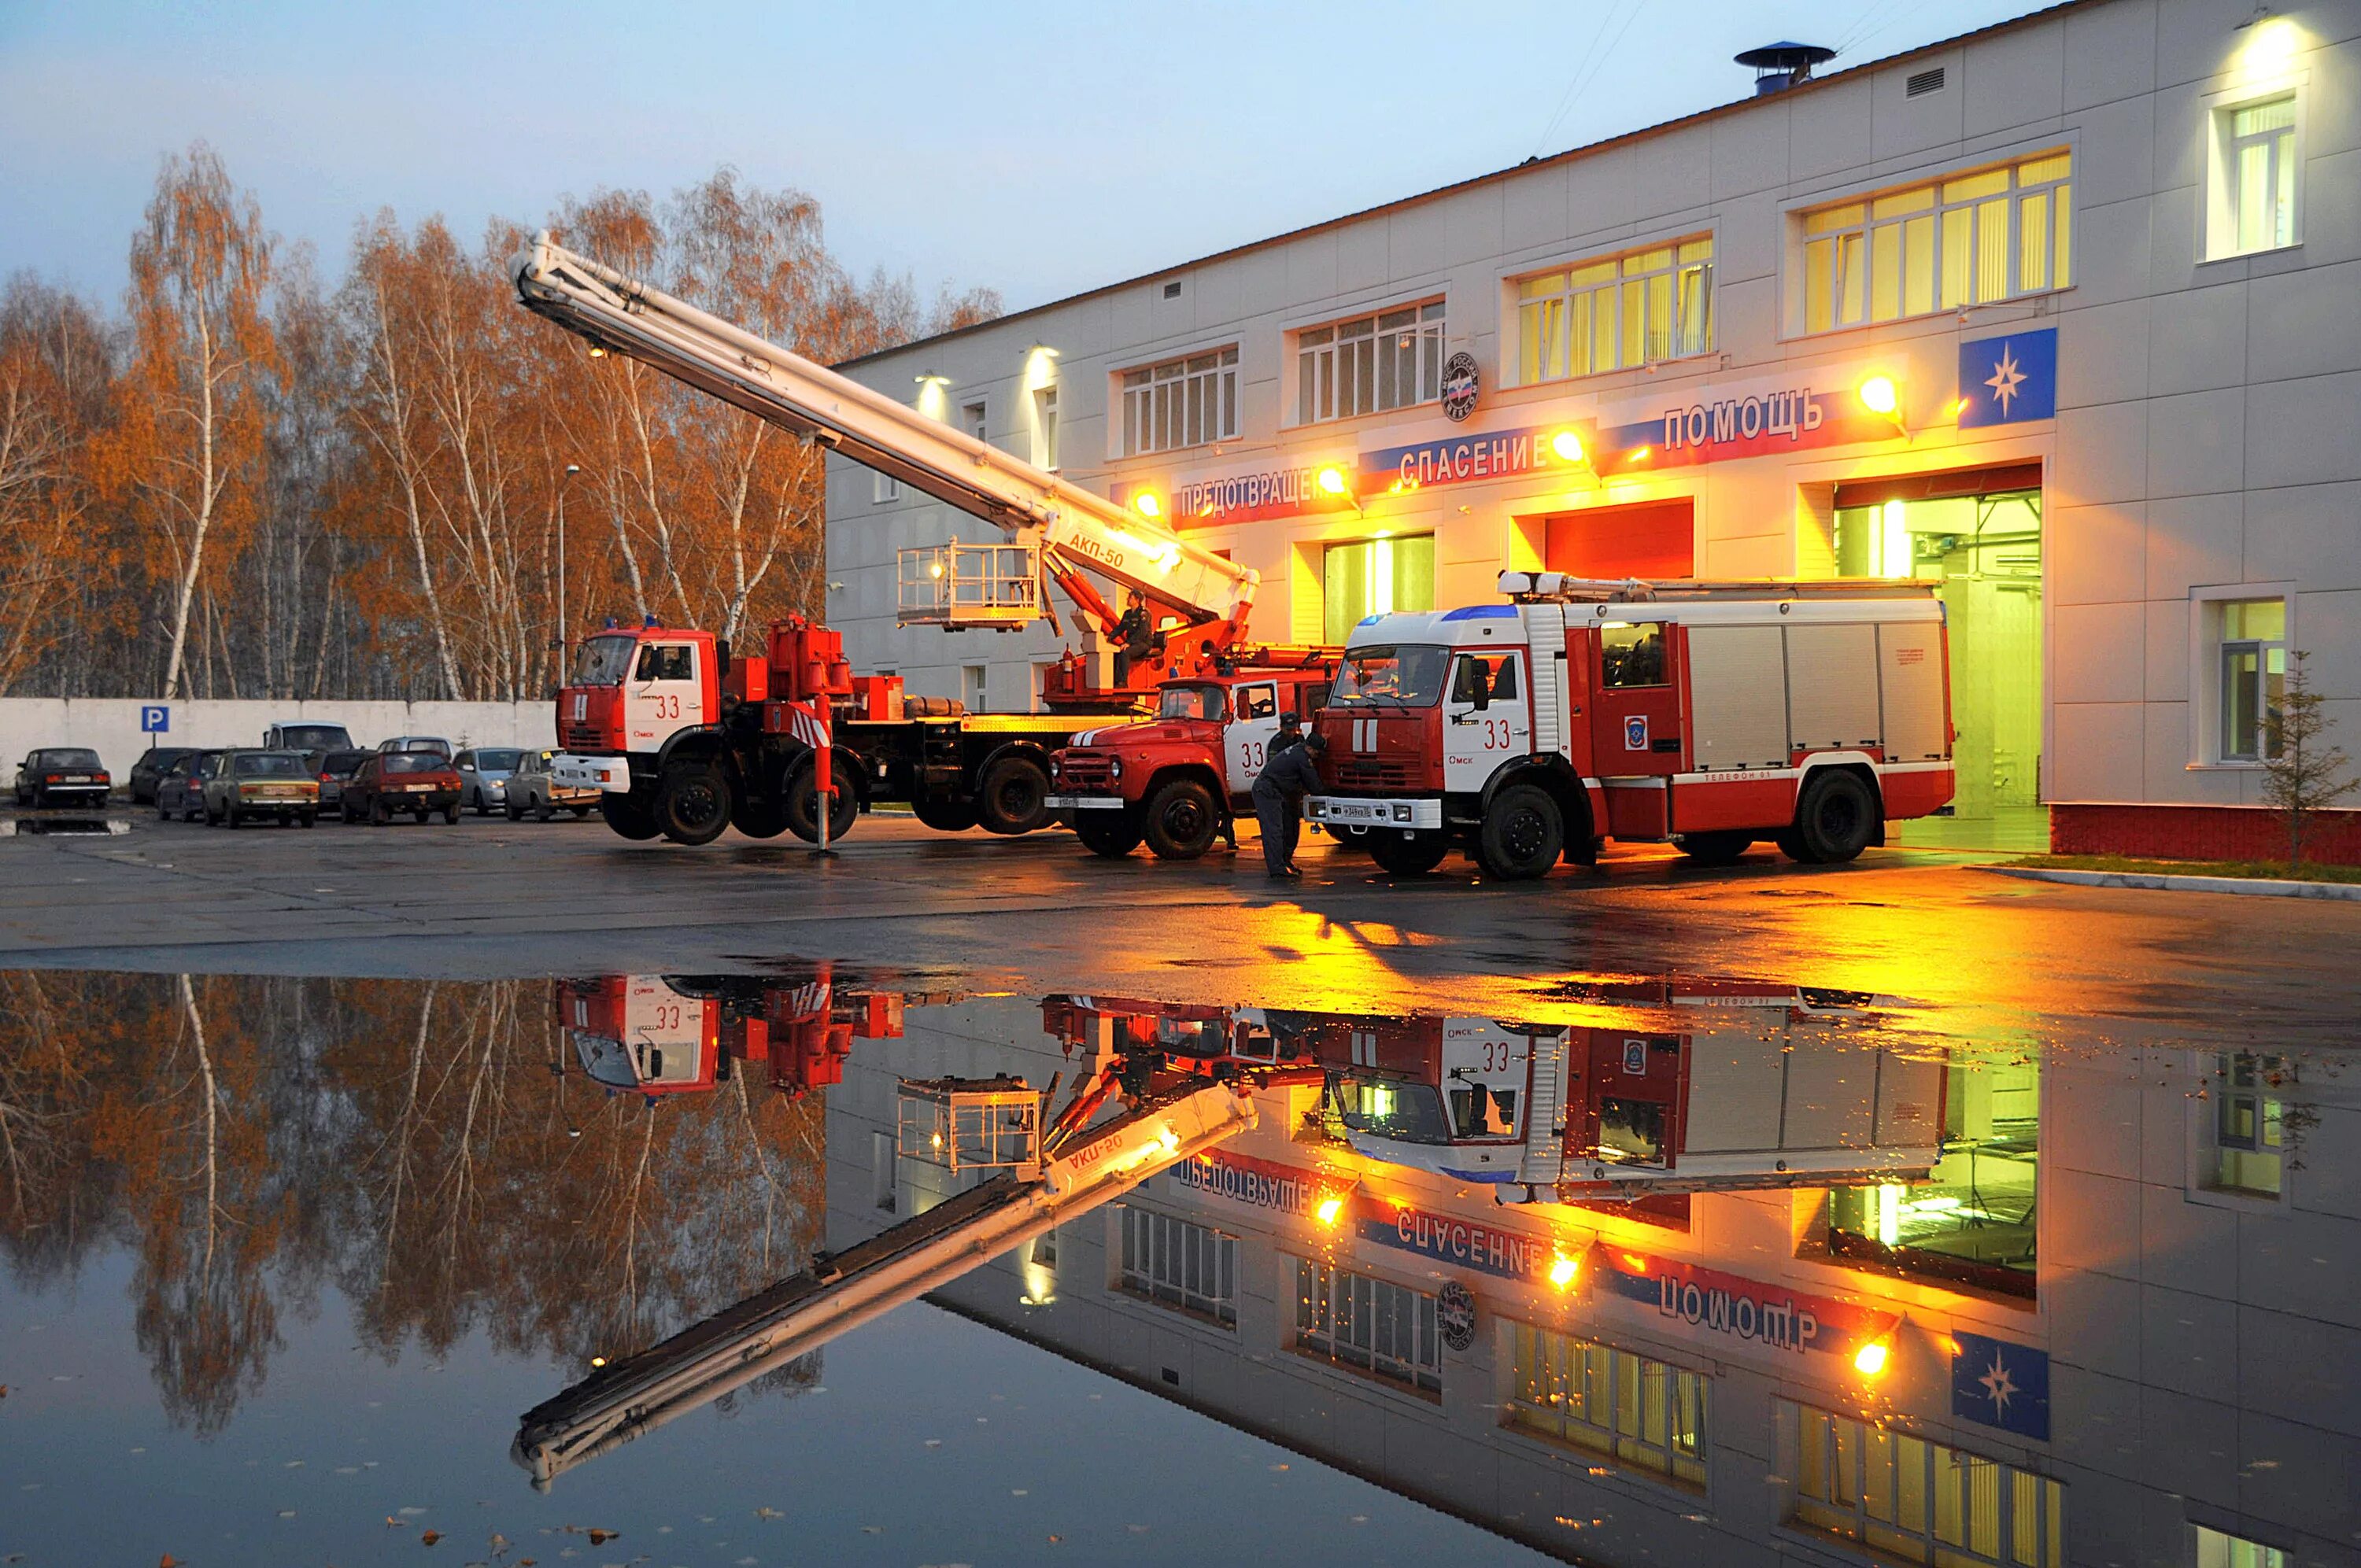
(1179,779)
(1759,1086)
(1713,714)
(682,741)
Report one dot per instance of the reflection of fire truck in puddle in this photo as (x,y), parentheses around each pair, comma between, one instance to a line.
(657,1034)
(1764,1089)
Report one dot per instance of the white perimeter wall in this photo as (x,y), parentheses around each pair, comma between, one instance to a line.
(111,725)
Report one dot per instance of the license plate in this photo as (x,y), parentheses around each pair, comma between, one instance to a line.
(416,789)
(76,778)
(1357,811)
(1084,802)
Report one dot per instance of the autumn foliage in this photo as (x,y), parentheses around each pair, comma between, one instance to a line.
(432,1152)
(252,484)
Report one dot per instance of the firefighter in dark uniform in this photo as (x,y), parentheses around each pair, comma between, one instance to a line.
(1279,792)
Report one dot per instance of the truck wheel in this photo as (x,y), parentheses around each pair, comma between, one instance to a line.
(1013,797)
(630,814)
(945,816)
(1835,819)
(759,819)
(1522,834)
(1111,834)
(801,804)
(1407,853)
(692,803)
(1182,820)
(1721,848)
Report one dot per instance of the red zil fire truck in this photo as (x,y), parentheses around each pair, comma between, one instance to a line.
(1178,779)
(1711,715)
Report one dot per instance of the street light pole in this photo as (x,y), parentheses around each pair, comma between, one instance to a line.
(558,641)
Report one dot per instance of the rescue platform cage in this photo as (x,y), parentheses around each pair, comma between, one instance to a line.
(969,1123)
(968,586)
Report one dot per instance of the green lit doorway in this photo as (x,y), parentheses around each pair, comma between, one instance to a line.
(1979,534)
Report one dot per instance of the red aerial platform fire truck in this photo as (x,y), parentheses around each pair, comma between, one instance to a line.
(1712,715)
(659,1035)
(684,742)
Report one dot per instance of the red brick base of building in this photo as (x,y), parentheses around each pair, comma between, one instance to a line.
(2201,833)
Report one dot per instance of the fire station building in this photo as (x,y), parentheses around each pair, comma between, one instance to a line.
(2065,314)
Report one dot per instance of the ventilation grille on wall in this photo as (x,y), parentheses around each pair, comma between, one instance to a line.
(1173,290)
(1923,83)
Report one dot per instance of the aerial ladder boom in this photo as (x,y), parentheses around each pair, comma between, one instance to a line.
(1071,528)
(840,1292)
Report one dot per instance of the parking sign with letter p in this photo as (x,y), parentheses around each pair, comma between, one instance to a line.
(155,718)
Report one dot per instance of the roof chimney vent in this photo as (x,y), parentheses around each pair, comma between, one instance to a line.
(1780,66)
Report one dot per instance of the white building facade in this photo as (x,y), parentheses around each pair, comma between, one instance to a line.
(2111,1329)
(2066,313)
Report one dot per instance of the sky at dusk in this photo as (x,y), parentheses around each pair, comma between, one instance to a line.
(1038,149)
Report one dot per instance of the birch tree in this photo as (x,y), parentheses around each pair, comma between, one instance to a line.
(188,447)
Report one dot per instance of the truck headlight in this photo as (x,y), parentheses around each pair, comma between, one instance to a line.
(1114,767)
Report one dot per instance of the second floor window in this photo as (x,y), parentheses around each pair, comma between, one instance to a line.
(1391,360)
(1181,402)
(2254,177)
(1625,311)
(1965,241)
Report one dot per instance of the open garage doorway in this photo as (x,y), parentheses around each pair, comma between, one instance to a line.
(1978,531)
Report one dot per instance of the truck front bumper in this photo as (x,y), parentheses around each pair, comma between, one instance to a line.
(610,775)
(1085,803)
(1356,811)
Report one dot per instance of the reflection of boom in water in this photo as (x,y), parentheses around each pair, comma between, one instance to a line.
(798,1315)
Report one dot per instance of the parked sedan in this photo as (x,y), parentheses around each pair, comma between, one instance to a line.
(149,770)
(180,792)
(334,769)
(417,782)
(435,743)
(533,789)
(485,772)
(62,775)
(276,786)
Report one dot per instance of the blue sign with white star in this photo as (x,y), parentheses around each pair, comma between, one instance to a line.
(2007,381)
(2001,1385)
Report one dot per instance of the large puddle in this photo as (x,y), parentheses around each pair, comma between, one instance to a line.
(812,1268)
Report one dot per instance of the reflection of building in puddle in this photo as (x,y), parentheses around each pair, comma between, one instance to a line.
(1784,1279)
(67,826)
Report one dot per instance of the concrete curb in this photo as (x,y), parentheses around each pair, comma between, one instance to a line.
(2253,887)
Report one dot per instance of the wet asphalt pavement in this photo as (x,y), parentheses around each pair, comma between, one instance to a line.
(489,899)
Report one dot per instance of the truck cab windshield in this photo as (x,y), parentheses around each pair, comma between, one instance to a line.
(1417,1114)
(1189,702)
(1389,1108)
(603,661)
(1391,677)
